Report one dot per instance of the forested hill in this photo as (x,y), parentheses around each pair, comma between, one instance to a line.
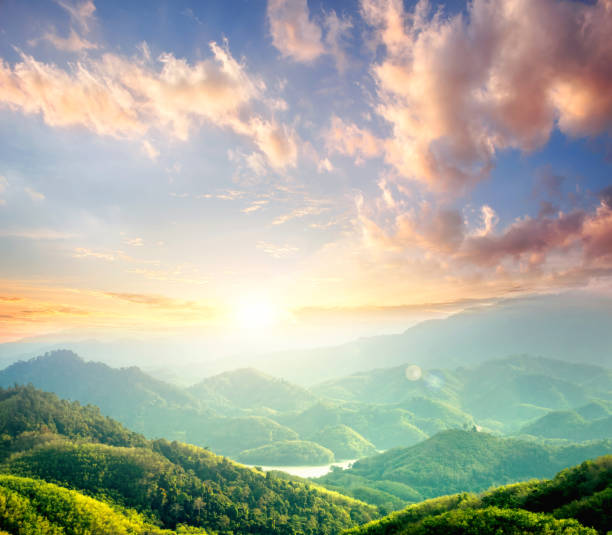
(248,388)
(455,461)
(577,501)
(144,404)
(501,394)
(69,376)
(171,483)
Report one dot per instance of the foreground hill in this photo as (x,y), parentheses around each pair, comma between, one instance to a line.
(454,461)
(169,483)
(576,501)
(567,327)
(33,506)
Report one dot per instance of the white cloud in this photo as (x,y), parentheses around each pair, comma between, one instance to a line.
(82,13)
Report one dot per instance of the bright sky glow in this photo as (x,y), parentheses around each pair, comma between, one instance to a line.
(254,314)
(160,161)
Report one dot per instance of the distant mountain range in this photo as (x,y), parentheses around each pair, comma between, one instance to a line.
(249,415)
(563,327)
(573,327)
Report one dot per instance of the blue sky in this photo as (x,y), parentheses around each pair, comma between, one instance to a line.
(181,164)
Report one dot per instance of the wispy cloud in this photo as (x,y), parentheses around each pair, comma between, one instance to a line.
(159,301)
(299,213)
(298,37)
(37,234)
(126,97)
(294,34)
(133,242)
(73,43)
(83,252)
(36,196)
(81,13)
(277,251)
(150,150)
(351,140)
(255,206)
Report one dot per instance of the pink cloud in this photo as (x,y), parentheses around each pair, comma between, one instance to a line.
(351,140)
(293,33)
(458,89)
(300,38)
(579,242)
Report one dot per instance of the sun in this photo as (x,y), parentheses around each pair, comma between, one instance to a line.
(256,314)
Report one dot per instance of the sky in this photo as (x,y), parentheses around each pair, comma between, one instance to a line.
(174,166)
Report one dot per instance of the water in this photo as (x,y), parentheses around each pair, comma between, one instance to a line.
(309,471)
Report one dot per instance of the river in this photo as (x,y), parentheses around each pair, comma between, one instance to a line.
(309,471)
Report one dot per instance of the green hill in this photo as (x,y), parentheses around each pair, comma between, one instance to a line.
(576,501)
(70,377)
(569,425)
(33,506)
(288,453)
(151,407)
(29,416)
(249,389)
(458,461)
(345,442)
(169,483)
(502,394)
(383,426)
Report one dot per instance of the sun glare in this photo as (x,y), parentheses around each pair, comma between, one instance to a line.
(256,314)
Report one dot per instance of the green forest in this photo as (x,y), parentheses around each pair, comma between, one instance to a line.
(250,416)
(67,467)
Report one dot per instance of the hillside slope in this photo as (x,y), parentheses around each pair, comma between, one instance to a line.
(577,500)
(249,389)
(172,483)
(151,407)
(455,461)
